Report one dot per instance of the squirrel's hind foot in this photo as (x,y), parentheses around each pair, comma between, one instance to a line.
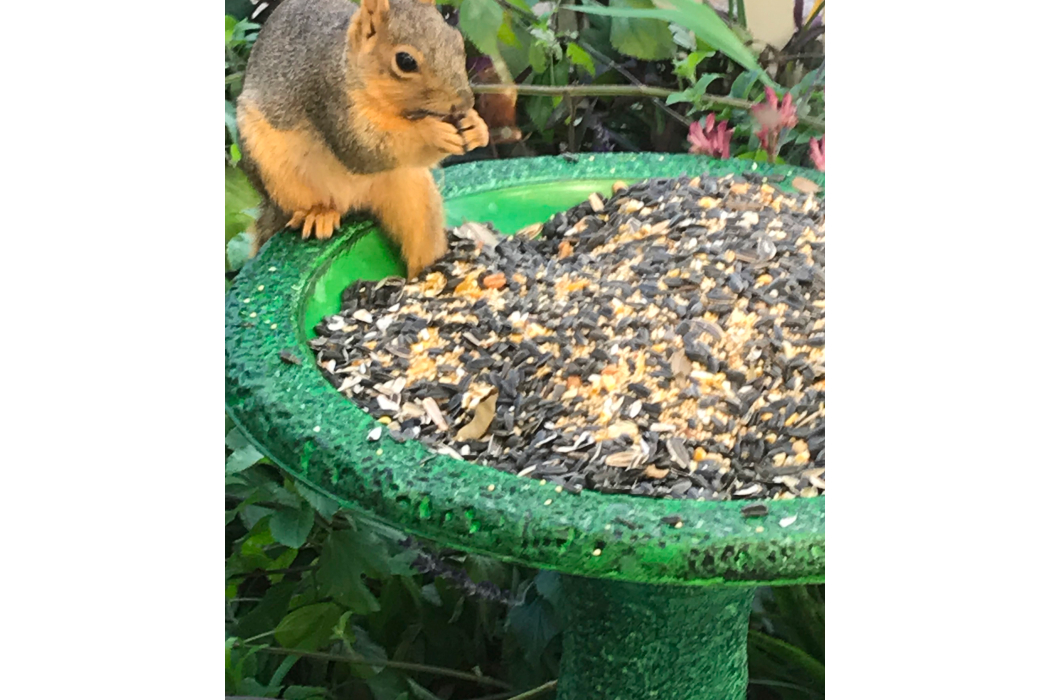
(320,221)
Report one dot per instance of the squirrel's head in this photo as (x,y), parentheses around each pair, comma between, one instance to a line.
(406,53)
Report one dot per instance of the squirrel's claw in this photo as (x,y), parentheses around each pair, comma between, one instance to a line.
(322,223)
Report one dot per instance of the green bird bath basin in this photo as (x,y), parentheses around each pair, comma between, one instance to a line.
(654,610)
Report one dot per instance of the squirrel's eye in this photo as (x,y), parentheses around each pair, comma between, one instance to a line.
(405,62)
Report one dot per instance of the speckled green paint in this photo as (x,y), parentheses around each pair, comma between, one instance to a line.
(307,428)
(631,641)
(297,419)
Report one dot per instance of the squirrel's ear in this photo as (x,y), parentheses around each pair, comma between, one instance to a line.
(366,23)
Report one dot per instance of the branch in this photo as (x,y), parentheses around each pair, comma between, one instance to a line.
(271,572)
(537,691)
(403,665)
(624,91)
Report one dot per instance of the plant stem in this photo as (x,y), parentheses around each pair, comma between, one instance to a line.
(630,78)
(622,91)
(270,572)
(537,691)
(403,665)
(249,640)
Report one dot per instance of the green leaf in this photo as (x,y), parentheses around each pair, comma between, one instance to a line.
(278,675)
(370,548)
(647,39)
(309,627)
(240,195)
(579,57)
(401,564)
(517,56)
(683,37)
(365,648)
(340,569)
(778,659)
(265,616)
(537,56)
(506,34)
(480,21)
(533,625)
(695,94)
(230,24)
(237,251)
(539,109)
(686,68)
(252,688)
(242,458)
(705,80)
(324,505)
(548,585)
(342,631)
(758,156)
(430,594)
(235,438)
(387,685)
(699,18)
(676,97)
(231,120)
(291,526)
(420,692)
(743,85)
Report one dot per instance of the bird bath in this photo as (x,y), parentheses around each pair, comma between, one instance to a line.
(658,591)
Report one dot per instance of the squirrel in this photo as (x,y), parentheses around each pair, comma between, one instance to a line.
(348,109)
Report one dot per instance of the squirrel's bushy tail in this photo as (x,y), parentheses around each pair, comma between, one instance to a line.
(271,220)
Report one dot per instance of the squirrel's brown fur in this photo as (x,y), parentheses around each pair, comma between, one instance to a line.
(331,123)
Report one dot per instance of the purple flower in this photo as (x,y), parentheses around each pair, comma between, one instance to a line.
(710,139)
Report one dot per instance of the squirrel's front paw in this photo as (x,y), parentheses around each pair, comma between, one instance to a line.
(474,130)
(446,137)
(319,220)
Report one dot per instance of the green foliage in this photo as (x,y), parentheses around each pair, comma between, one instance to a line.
(480,22)
(648,39)
(699,18)
(303,574)
(240,37)
(786,642)
(579,57)
(308,627)
(241,203)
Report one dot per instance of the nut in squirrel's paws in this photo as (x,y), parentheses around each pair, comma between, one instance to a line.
(474,130)
(321,222)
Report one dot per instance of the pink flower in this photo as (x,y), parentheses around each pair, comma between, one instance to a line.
(709,139)
(774,117)
(816,153)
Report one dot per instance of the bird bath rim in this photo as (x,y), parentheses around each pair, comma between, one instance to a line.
(298,420)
